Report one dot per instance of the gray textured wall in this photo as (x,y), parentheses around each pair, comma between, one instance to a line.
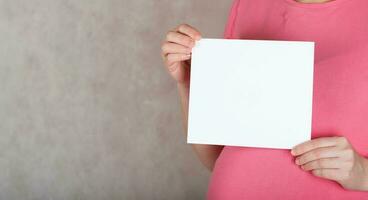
(87,110)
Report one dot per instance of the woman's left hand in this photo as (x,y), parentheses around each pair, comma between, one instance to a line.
(333,158)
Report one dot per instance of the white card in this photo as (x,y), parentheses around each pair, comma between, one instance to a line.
(252,93)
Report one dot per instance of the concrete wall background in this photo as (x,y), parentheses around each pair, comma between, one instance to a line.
(87,110)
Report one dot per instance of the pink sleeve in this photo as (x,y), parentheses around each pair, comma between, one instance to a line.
(228,34)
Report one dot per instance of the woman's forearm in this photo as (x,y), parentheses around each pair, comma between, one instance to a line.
(207,154)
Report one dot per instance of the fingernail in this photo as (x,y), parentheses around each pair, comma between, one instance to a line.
(198,37)
(292,152)
(192,44)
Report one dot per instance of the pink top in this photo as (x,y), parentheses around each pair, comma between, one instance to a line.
(340,102)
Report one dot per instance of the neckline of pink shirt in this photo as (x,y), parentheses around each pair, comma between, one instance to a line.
(315,5)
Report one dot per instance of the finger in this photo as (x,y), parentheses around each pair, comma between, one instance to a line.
(172,48)
(315,154)
(325,163)
(176,57)
(189,31)
(331,174)
(342,141)
(313,144)
(180,38)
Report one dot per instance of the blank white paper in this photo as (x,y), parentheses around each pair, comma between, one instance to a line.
(251,93)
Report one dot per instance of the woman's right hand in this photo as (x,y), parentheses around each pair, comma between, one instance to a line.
(176,52)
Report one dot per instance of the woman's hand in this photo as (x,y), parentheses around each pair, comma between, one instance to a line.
(176,52)
(333,158)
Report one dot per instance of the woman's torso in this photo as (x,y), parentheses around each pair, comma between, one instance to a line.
(340,101)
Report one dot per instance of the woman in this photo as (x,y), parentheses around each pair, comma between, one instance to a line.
(333,164)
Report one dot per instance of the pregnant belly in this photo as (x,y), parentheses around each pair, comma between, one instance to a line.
(259,173)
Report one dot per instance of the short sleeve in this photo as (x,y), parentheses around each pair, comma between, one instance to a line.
(229,28)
